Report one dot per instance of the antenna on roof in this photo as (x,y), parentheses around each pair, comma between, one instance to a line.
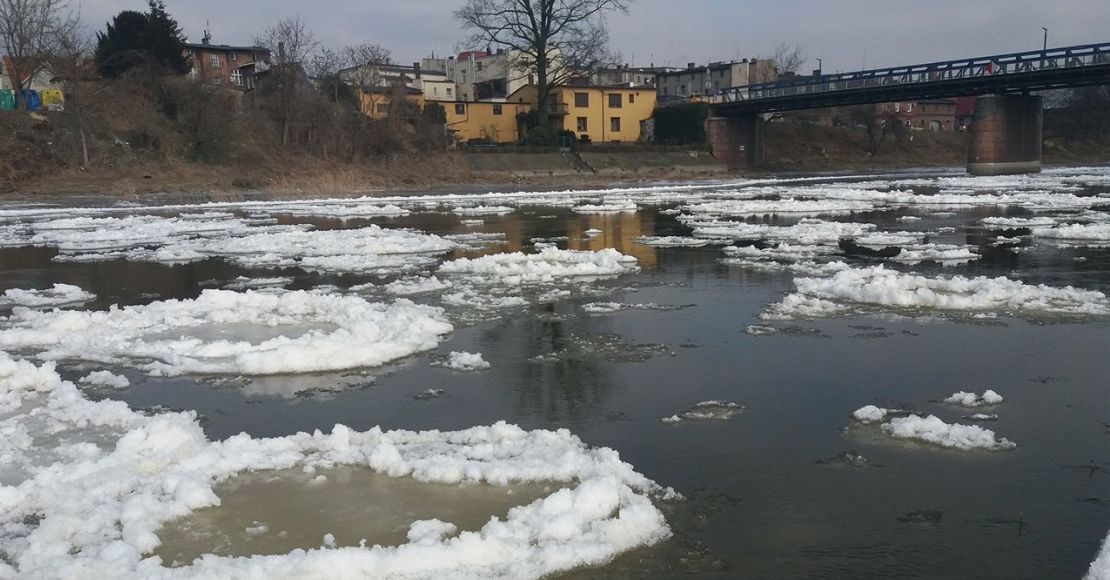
(207,38)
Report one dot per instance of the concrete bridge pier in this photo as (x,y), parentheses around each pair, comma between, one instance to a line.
(1006,133)
(737,141)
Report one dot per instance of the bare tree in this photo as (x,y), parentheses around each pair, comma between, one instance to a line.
(72,63)
(789,58)
(28,33)
(291,44)
(324,70)
(365,62)
(555,38)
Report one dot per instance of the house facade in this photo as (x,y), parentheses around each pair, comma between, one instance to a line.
(602,114)
(492,121)
(711,79)
(222,65)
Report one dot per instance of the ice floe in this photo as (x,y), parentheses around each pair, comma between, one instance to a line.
(464,361)
(56,296)
(546,266)
(706,411)
(1100,567)
(105,379)
(966,399)
(870,414)
(672,241)
(107,479)
(933,430)
(224,332)
(880,287)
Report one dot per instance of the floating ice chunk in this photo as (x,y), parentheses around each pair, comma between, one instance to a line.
(546,266)
(1005,222)
(417,285)
(946,254)
(219,332)
(95,512)
(607,206)
(602,307)
(672,241)
(105,379)
(981,417)
(706,411)
(342,211)
(933,430)
(244,283)
(761,206)
(966,399)
(760,330)
(909,218)
(870,414)
(56,296)
(878,286)
(1095,234)
(465,361)
(478,210)
(592,233)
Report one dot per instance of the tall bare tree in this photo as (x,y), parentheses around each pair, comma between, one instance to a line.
(554,38)
(28,34)
(291,45)
(789,58)
(365,62)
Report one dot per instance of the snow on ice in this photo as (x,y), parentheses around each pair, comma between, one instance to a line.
(966,399)
(224,332)
(54,297)
(89,503)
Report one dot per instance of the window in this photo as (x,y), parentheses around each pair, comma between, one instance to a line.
(479,65)
(615,100)
(448,91)
(233,57)
(236,77)
(582,127)
(382,108)
(193,73)
(631,98)
(615,124)
(460,109)
(581,100)
(214,60)
(682,90)
(463,73)
(497,109)
(897,107)
(909,107)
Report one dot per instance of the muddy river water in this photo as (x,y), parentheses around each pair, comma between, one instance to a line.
(785,484)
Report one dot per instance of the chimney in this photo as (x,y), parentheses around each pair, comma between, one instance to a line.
(416,70)
(691,64)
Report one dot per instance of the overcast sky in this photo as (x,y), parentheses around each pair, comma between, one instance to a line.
(846,34)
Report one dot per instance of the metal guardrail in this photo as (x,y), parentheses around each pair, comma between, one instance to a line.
(998,66)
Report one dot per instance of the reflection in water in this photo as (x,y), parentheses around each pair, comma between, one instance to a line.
(276,512)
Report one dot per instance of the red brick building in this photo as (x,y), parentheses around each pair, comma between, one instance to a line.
(227,66)
(931,115)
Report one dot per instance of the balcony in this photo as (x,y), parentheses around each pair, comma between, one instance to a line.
(557,109)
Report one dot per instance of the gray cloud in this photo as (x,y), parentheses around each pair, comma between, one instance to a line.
(846,33)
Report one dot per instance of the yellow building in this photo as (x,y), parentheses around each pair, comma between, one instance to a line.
(485,120)
(604,114)
(376,102)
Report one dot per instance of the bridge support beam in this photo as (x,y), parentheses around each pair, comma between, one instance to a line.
(1006,133)
(736,141)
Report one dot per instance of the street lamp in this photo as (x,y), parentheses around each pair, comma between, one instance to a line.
(1045,49)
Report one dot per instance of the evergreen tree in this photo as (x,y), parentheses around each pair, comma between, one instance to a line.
(135,39)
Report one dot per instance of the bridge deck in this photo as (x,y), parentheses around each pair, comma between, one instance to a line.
(1055,68)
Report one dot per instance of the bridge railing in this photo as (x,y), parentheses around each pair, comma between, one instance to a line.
(988,66)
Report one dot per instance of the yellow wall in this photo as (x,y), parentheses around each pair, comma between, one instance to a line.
(637,104)
(376,104)
(479,121)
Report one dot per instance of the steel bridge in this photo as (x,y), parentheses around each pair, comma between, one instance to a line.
(1006,127)
(1022,72)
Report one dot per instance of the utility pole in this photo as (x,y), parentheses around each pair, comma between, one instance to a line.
(1045,49)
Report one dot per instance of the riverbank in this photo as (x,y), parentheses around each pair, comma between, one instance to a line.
(790,147)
